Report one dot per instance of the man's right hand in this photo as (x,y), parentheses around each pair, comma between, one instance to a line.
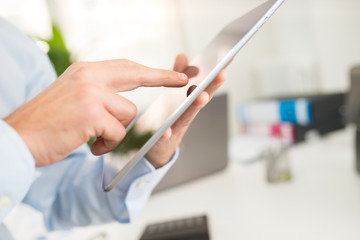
(82,104)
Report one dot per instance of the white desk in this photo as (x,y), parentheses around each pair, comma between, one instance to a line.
(322,201)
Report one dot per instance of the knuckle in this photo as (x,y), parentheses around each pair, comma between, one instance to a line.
(170,76)
(165,76)
(118,134)
(121,134)
(187,122)
(126,62)
(81,71)
(141,77)
(132,110)
(129,109)
(77,65)
(129,62)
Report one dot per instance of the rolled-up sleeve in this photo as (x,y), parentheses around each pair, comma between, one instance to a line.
(17,169)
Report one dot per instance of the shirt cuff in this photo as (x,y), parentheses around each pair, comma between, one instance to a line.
(17,169)
(141,181)
(143,168)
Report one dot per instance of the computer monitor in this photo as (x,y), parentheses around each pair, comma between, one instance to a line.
(204,149)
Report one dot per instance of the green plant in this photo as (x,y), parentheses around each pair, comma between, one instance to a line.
(58,53)
(131,142)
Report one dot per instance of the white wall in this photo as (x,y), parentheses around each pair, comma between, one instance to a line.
(336,30)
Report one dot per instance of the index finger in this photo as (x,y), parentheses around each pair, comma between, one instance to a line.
(124,75)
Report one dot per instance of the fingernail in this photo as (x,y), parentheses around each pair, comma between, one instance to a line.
(183,77)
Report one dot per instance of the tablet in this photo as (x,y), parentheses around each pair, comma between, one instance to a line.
(152,123)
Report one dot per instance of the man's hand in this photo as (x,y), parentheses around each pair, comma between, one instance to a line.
(162,151)
(82,104)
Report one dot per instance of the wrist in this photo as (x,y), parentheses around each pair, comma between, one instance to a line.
(22,135)
(159,163)
(18,146)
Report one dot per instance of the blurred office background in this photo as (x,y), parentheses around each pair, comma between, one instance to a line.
(307,47)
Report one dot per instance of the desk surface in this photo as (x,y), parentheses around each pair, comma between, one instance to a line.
(321,202)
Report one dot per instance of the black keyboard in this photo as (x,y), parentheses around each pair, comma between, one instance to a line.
(193,228)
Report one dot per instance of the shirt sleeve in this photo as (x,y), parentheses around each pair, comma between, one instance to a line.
(69,193)
(16,171)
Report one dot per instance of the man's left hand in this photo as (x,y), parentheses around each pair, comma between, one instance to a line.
(162,151)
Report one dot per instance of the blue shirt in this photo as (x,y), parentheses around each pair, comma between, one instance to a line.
(69,192)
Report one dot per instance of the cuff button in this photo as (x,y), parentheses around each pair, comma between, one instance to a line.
(5,202)
(141,184)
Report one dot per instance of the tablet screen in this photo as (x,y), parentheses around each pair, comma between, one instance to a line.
(148,127)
